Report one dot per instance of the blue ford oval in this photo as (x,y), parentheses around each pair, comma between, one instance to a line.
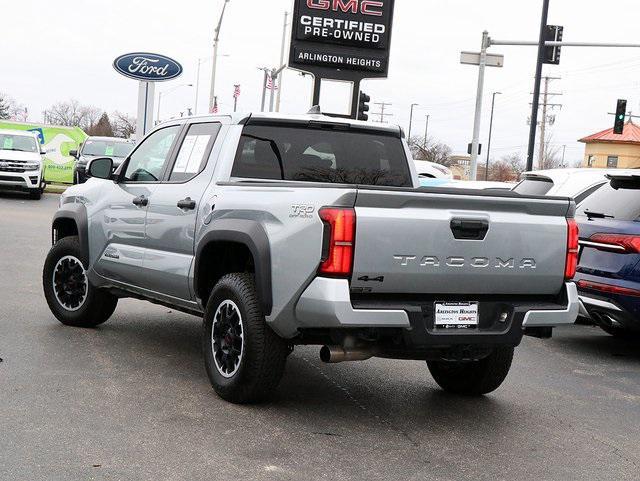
(147,67)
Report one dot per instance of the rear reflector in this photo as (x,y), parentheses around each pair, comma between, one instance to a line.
(627,244)
(573,246)
(340,233)
(608,288)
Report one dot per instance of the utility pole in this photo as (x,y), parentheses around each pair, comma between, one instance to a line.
(546,119)
(216,39)
(382,113)
(282,54)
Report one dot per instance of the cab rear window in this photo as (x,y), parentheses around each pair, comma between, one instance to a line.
(315,154)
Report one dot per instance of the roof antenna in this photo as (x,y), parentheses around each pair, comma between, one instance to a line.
(315,110)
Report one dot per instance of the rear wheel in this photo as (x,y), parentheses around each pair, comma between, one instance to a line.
(473,378)
(244,358)
(70,295)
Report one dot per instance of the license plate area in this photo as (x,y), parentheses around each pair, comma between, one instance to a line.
(456,315)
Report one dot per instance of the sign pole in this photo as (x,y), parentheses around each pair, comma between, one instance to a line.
(146,95)
(478,117)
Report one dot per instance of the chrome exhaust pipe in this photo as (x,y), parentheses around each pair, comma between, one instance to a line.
(336,354)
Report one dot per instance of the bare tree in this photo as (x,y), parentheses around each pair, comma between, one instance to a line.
(431,151)
(11,110)
(516,162)
(73,114)
(552,159)
(123,125)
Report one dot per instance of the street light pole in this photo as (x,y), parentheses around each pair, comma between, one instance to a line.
(160,94)
(493,104)
(411,119)
(195,107)
(216,38)
(426,132)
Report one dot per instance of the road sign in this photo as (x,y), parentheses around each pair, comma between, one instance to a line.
(346,40)
(473,58)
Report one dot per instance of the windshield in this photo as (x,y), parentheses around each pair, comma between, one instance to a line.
(18,143)
(310,154)
(607,202)
(107,148)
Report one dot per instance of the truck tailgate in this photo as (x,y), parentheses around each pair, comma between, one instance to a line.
(413,242)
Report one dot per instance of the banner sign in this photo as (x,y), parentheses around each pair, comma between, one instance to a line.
(56,142)
(342,39)
(147,67)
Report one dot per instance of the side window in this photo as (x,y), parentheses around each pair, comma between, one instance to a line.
(147,163)
(194,151)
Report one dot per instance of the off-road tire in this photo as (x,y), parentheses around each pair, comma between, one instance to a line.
(262,361)
(473,378)
(98,305)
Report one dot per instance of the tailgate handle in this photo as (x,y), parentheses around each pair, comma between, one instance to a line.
(469,229)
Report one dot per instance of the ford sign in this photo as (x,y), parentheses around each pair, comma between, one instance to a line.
(147,67)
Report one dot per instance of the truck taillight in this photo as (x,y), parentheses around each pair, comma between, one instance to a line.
(338,242)
(622,243)
(573,247)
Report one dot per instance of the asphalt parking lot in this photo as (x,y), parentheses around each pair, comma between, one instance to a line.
(131,400)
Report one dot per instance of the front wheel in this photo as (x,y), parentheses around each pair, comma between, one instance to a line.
(473,378)
(35,194)
(70,295)
(244,358)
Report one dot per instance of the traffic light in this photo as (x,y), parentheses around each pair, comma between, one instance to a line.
(553,33)
(363,106)
(621,115)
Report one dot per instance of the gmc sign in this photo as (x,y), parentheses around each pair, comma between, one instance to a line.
(342,39)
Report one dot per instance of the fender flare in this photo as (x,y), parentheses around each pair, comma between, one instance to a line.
(251,234)
(78,214)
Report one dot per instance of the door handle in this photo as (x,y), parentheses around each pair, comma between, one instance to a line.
(141,201)
(469,229)
(186,204)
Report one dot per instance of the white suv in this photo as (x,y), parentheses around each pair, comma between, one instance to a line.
(21,162)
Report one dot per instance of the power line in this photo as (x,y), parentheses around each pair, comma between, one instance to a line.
(383,106)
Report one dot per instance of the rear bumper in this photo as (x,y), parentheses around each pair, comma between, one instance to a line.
(327,303)
(610,311)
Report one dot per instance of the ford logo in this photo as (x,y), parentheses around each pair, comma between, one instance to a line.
(147,67)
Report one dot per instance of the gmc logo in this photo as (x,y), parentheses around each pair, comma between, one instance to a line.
(365,7)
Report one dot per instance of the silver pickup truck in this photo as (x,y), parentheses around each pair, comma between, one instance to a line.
(308,230)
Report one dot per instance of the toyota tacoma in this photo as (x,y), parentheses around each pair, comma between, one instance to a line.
(310,230)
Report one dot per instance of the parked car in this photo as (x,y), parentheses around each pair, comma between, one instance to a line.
(97,147)
(608,275)
(21,159)
(431,170)
(236,219)
(578,184)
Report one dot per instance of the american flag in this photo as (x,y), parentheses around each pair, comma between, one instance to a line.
(214,109)
(271,85)
(236,91)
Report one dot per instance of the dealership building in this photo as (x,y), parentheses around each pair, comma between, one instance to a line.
(608,150)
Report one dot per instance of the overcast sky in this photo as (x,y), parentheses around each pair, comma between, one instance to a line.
(54,51)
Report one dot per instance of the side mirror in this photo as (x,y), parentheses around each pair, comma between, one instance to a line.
(100,168)
(73,153)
